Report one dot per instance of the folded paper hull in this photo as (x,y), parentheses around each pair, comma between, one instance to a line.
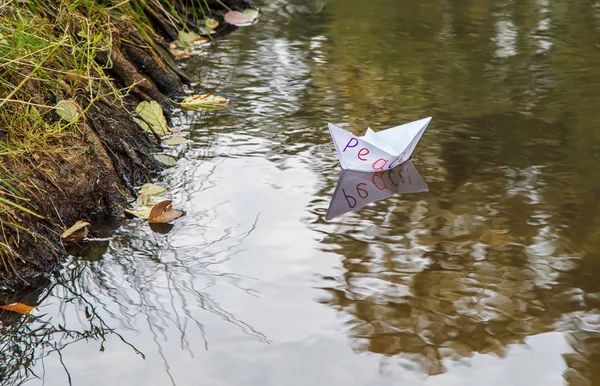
(377,151)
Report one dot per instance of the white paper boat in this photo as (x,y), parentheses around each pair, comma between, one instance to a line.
(379,151)
(357,189)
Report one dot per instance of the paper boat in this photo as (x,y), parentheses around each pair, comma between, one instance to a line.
(357,189)
(377,151)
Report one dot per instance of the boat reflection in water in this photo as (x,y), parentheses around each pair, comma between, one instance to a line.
(357,189)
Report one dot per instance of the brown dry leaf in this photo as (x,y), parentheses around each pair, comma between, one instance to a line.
(164,212)
(77,232)
(18,307)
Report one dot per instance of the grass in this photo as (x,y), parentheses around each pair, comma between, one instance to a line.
(47,51)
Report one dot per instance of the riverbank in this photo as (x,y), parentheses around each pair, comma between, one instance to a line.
(73,74)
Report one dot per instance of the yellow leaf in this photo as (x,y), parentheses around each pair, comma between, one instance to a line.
(164,212)
(211,23)
(204,101)
(18,307)
(152,189)
(142,212)
(68,109)
(153,114)
(189,39)
(77,232)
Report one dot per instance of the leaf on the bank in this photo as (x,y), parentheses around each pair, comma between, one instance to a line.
(166,159)
(77,232)
(152,189)
(3,40)
(211,23)
(204,101)
(153,114)
(175,140)
(68,109)
(241,18)
(189,39)
(18,307)
(164,212)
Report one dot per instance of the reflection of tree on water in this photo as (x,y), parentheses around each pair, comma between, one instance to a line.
(141,278)
(475,277)
(25,340)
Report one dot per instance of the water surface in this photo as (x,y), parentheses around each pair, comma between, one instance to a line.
(489,278)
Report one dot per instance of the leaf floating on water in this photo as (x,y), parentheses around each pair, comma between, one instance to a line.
(176,140)
(153,114)
(211,23)
(241,18)
(77,232)
(204,101)
(152,190)
(166,159)
(142,212)
(18,307)
(252,12)
(163,212)
(68,109)
(189,39)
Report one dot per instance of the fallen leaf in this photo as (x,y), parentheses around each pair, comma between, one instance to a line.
(166,159)
(3,40)
(182,54)
(204,101)
(176,140)
(164,212)
(18,307)
(153,114)
(77,232)
(152,190)
(211,23)
(68,109)
(241,18)
(142,212)
(189,39)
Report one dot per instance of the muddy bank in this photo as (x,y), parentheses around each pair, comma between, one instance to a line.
(91,168)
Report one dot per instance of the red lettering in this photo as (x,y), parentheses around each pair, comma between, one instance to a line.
(349,142)
(348,198)
(385,161)
(359,190)
(380,176)
(363,153)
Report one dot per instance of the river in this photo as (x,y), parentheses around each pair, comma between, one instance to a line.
(491,277)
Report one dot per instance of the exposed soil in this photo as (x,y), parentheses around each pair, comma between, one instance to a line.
(112,155)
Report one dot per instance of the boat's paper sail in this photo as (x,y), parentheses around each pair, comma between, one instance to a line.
(357,189)
(377,151)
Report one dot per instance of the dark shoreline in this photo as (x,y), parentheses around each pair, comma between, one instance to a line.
(109,157)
